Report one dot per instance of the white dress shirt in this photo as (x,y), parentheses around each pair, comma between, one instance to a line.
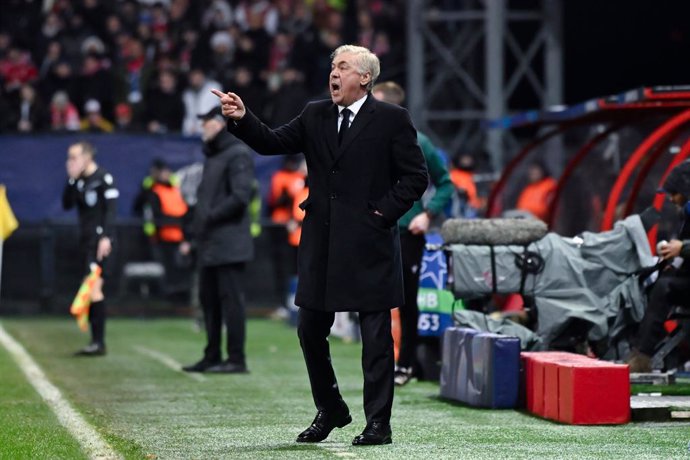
(354,108)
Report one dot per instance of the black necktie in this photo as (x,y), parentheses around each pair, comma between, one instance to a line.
(344,123)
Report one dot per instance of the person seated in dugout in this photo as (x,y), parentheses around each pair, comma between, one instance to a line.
(672,288)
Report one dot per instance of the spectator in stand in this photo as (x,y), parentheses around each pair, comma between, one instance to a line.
(94,121)
(96,82)
(60,78)
(222,53)
(73,36)
(52,56)
(245,81)
(287,96)
(263,12)
(30,114)
(164,106)
(17,69)
(124,119)
(536,197)
(253,46)
(218,16)
(64,116)
(50,33)
(197,99)
(136,71)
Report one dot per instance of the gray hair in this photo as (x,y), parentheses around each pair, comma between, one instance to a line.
(367,62)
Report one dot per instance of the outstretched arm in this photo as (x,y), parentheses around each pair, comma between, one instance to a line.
(245,125)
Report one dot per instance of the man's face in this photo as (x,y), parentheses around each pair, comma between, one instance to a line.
(77,161)
(211,128)
(347,85)
(678,199)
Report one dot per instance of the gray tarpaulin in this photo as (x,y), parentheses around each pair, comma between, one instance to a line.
(529,341)
(582,278)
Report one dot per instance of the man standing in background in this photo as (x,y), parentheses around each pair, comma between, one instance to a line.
(413,226)
(92,190)
(221,234)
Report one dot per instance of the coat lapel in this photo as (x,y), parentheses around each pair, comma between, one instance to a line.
(364,116)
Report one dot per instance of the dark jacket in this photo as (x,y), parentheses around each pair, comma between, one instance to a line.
(221,218)
(349,257)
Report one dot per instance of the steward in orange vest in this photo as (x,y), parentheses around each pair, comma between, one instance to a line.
(537,195)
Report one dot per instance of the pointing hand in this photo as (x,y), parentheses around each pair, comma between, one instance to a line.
(230,104)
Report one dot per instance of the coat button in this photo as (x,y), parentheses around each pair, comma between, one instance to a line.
(333,171)
(333,196)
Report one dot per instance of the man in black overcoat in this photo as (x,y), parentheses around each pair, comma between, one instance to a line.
(365,171)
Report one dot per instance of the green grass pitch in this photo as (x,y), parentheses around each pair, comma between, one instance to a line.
(147,410)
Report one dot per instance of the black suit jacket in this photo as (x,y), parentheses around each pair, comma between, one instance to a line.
(349,257)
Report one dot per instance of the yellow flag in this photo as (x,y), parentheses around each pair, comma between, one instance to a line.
(82,301)
(8,223)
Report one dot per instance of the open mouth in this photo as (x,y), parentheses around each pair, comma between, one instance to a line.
(335,86)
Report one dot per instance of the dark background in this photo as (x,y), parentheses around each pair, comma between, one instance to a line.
(611,46)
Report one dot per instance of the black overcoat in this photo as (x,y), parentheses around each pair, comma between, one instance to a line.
(349,257)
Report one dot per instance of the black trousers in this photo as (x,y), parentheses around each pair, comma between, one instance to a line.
(222,301)
(671,289)
(97,310)
(412,247)
(377,361)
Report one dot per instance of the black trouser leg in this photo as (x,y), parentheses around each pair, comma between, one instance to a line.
(313,329)
(412,247)
(210,303)
(378,363)
(232,302)
(97,321)
(669,290)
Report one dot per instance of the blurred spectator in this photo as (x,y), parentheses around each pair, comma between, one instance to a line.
(222,51)
(259,12)
(94,121)
(51,58)
(63,114)
(5,112)
(50,32)
(253,46)
(245,83)
(16,69)
(60,78)
(218,16)
(124,119)
(96,82)
(287,97)
(164,106)
(31,114)
(536,197)
(136,70)
(197,99)
(82,47)
(73,36)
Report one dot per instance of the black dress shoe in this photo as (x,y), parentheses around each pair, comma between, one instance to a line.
(375,434)
(227,367)
(92,349)
(323,424)
(200,366)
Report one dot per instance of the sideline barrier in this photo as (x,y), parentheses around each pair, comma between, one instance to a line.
(575,389)
(480,369)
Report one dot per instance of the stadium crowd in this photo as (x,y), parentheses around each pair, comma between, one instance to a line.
(96,66)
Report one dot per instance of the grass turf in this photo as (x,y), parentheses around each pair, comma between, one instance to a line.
(146,410)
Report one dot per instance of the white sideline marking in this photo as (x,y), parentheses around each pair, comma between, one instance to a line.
(168,362)
(91,442)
